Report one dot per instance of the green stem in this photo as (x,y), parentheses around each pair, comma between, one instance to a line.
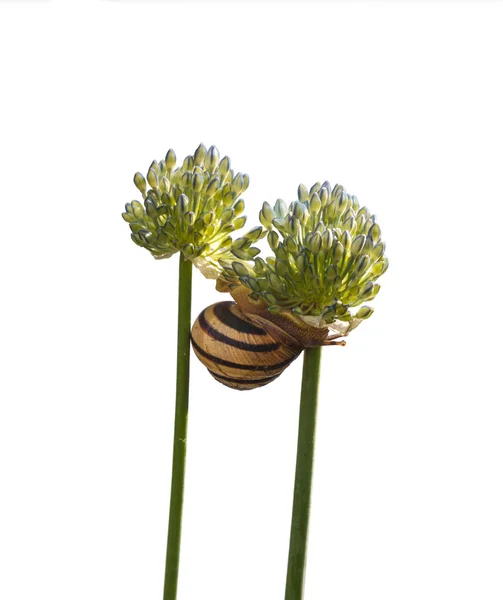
(303,475)
(180,434)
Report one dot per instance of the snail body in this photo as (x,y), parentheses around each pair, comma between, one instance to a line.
(244,346)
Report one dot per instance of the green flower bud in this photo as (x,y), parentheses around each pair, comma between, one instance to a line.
(280,209)
(239,222)
(240,269)
(315,204)
(170,159)
(138,209)
(273,239)
(327,239)
(213,186)
(188,164)
(375,233)
(197,182)
(239,207)
(255,234)
(237,184)
(200,155)
(302,193)
(224,166)
(357,245)
(140,183)
(246,182)
(315,243)
(212,159)
(364,312)
(266,215)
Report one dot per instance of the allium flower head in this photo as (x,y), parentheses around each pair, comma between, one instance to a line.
(191,209)
(327,256)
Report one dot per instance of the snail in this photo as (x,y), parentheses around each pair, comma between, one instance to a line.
(244,346)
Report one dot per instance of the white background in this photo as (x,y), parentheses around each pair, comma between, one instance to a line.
(402,104)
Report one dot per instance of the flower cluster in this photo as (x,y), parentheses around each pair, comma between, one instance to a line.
(328,254)
(191,209)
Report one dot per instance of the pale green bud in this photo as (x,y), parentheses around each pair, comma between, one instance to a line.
(200,155)
(240,269)
(315,243)
(357,245)
(170,159)
(227,216)
(182,204)
(273,239)
(239,207)
(138,209)
(213,184)
(375,233)
(197,182)
(255,234)
(362,264)
(280,209)
(302,193)
(224,166)
(298,210)
(140,182)
(266,215)
(239,222)
(327,240)
(188,163)
(275,281)
(323,195)
(237,184)
(211,160)
(315,204)
(364,312)
(246,182)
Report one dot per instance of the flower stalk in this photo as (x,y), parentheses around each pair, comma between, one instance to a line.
(180,430)
(192,209)
(303,475)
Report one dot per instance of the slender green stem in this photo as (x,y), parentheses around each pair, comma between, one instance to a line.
(180,434)
(303,475)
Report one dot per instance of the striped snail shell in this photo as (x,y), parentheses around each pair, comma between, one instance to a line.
(244,346)
(237,352)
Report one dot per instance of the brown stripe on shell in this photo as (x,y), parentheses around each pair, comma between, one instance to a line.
(241,345)
(229,314)
(210,359)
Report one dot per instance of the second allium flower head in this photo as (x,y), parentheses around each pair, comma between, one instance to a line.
(327,250)
(328,255)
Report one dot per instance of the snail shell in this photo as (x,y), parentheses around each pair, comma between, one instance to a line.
(239,353)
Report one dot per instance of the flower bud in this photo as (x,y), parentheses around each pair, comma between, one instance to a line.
(170,159)
(315,204)
(302,193)
(140,182)
(364,312)
(200,155)
(211,160)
